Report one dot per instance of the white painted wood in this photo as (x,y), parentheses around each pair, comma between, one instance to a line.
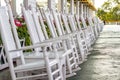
(13,5)
(78,8)
(37,32)
(49,19)
(81,6)
(92,30)
(3,59)
(81,43)
(11,52)
(28,3)
(72,6)
(60,26)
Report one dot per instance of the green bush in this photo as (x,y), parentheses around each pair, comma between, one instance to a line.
(23,33)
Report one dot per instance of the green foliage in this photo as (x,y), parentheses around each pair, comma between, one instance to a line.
(22,33)
(47,29)
(110,11)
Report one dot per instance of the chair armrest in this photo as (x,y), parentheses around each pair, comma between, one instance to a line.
(71,34)
(57,39)
(31,47)
(84,28)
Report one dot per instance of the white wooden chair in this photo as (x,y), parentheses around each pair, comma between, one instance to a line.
(59,30)
(100,24)
(92,30)
(68,30)
(3,60)
(77,28)
(62,53)
(82,34)
(87,32)
(55,26)
(37,37)
(51,67)
(96,30)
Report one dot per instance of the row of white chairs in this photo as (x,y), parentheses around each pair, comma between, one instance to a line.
(50,57)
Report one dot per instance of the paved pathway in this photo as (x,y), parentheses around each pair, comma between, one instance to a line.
(103,63)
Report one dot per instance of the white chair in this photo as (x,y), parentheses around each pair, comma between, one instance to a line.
(3,60)
(96,30)
(92,30)
(55,26)
(51,68)
(37,36)
(68,30)
(100,24)
(80,34)
(86,31)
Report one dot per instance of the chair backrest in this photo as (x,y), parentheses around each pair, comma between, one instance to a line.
(64,18)
(78,22)
(95,20)
(61,23)
(31,26)
(83,21)
(57,23)
(50,24)
(38,26)
(41,20)
(90,21)
(7,35)
(72,23)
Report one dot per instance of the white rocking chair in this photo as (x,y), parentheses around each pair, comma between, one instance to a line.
(37,36)
(51,67)
(68,30)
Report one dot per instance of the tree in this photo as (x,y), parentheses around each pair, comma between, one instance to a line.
(110,11)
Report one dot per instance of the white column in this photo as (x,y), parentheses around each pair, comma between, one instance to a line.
(82,10)
(62,5)
(13,6)
(0,2)
(59,5)
(72,6)
(84,7)
(87,11)
(51,4)
(66,8)
(28,3)
(77,8)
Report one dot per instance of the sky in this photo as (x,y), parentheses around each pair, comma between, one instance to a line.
(98,3)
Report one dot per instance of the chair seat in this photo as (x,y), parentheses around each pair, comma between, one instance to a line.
(51,54)
(31,66)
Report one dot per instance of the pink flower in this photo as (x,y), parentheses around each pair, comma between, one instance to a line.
(17,23)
